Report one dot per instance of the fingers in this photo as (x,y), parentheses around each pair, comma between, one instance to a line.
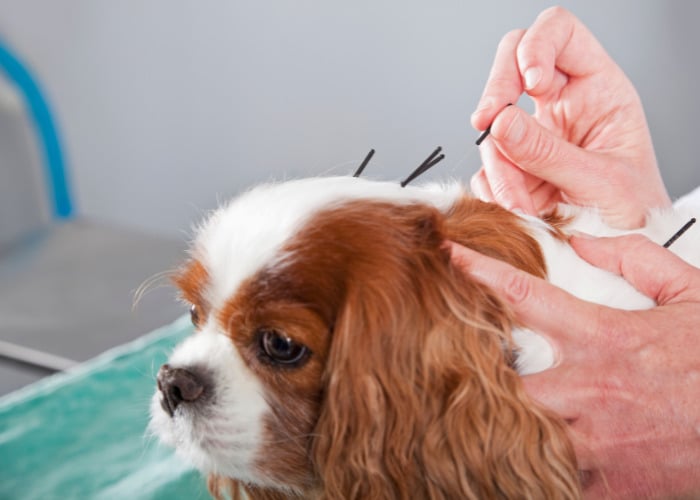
(518,142)
(518,139)
(544,196)
(650,268)
(480,186)
(503,85)
(523,141)
(506,182)
(557,41)
(538,304)
(540,61)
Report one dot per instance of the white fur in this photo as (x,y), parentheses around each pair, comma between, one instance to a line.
(245,235)
(568,271)
(221,438)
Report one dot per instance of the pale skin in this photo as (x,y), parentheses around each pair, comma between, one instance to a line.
(628,382)
(588,142)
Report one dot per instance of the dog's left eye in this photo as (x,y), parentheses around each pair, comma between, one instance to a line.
(281,349)
(194,315)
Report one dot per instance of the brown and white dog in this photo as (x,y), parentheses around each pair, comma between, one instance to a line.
(338,353)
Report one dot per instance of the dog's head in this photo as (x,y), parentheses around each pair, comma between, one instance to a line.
(339,355)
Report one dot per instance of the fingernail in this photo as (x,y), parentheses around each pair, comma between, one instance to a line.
(532,77)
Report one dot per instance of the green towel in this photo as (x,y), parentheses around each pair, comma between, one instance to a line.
(82,434)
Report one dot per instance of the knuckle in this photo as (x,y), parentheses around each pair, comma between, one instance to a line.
(630,247)
(499,86)
(527,49)
(517,287)
(543,148)
(505,192)
(535,49)
(635,241)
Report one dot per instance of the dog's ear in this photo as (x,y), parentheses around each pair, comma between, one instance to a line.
(420,399)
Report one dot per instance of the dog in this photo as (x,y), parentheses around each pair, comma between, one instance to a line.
(339,354)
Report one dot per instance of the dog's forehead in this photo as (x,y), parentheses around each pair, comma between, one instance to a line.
(246,234)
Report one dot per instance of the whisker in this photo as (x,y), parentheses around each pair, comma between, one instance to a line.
(461,165)
(149,284)
(335,167)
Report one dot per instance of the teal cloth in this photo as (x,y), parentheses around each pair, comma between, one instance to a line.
(82,434)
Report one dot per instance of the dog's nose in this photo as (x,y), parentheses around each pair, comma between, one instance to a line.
(177,385)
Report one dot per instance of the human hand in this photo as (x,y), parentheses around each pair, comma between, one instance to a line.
(626,381)
(588,143)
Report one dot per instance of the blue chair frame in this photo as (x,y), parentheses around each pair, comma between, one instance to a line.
(57,181)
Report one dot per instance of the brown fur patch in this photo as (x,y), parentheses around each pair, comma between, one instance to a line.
(192,280)
(496,232)
(558,223)
(408,392)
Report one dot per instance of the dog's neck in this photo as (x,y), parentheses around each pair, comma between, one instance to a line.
(567,270)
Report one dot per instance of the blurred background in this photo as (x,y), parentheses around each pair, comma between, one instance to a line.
(155,111)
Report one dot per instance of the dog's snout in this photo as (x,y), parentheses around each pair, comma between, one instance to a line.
(178,385)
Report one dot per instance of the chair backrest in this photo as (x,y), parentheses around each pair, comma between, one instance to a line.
(33,183)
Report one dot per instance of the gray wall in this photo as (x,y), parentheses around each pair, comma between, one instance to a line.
(168,106)
(23,196)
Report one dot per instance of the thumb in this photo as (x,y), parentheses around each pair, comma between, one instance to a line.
(650,268)
(536,150)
